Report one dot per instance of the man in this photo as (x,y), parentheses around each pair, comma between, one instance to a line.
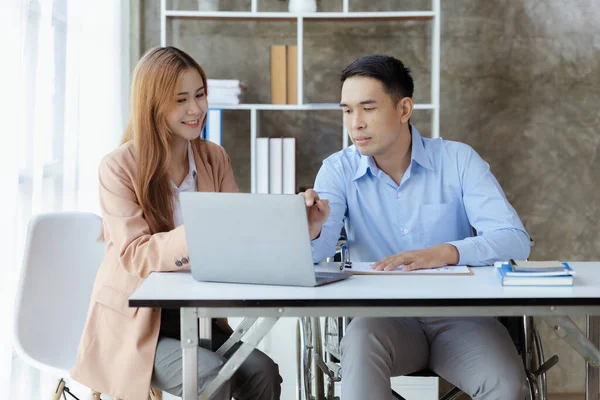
(414,202)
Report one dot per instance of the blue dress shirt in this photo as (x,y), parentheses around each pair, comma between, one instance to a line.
(446,195)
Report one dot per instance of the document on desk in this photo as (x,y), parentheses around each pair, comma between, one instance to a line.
(364,268)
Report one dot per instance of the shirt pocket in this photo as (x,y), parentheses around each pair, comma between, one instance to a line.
(440,222)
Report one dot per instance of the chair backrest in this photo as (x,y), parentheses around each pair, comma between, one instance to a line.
(62,256)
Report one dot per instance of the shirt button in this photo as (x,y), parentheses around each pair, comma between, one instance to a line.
(399,194)
(178,263)
(405,231)
(185,260)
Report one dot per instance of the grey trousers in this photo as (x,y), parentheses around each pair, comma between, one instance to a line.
(257,379)
(475,354)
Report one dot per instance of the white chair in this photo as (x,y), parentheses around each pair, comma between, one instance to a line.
(62,256)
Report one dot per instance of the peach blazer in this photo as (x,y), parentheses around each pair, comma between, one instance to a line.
(117,347)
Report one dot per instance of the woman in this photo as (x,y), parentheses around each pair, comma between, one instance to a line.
(124,351)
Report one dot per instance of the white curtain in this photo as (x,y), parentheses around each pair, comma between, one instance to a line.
(64,80)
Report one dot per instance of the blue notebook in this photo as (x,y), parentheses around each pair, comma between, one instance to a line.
(508,277)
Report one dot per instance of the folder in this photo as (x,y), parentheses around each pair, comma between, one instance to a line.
(289,165)
(262,165)
(276,165)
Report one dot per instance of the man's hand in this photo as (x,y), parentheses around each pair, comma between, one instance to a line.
(317,212)
(433,257)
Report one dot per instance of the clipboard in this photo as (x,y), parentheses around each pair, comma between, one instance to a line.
(364,268)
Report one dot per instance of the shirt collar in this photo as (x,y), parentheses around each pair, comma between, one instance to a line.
(418,150)
(417,154)
(364,164)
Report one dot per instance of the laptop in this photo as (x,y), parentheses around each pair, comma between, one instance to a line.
(250,238)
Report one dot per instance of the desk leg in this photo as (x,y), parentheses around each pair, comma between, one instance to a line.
(250,341)
(189,344)
(237,335)
(591,374)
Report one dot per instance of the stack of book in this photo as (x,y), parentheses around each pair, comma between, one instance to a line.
(225,91)
(534,273)
(276,165)
(284,74)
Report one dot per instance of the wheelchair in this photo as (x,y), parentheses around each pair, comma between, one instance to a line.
(318,352)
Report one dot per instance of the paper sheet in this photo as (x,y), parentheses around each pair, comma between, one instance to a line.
(365,268)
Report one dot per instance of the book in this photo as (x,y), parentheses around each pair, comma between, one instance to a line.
(225,92)
(508,277)
(289,165)
(539,266)
(216,99)
(262,165)
(292,74)
(223,83)
(566,270)
(278,61)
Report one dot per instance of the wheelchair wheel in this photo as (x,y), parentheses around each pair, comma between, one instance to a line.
(308,346)
(537,384)
(332,352)
(532,386)
(332,339)
(537,362)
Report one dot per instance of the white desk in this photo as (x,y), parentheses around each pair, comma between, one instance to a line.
(477,295)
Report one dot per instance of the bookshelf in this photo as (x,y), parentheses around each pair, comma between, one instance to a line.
(432,15)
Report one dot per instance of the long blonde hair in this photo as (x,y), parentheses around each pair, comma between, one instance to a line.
(154,83)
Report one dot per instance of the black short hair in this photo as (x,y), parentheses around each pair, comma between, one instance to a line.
(391,72)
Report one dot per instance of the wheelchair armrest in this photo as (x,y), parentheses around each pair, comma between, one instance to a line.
(341,250)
